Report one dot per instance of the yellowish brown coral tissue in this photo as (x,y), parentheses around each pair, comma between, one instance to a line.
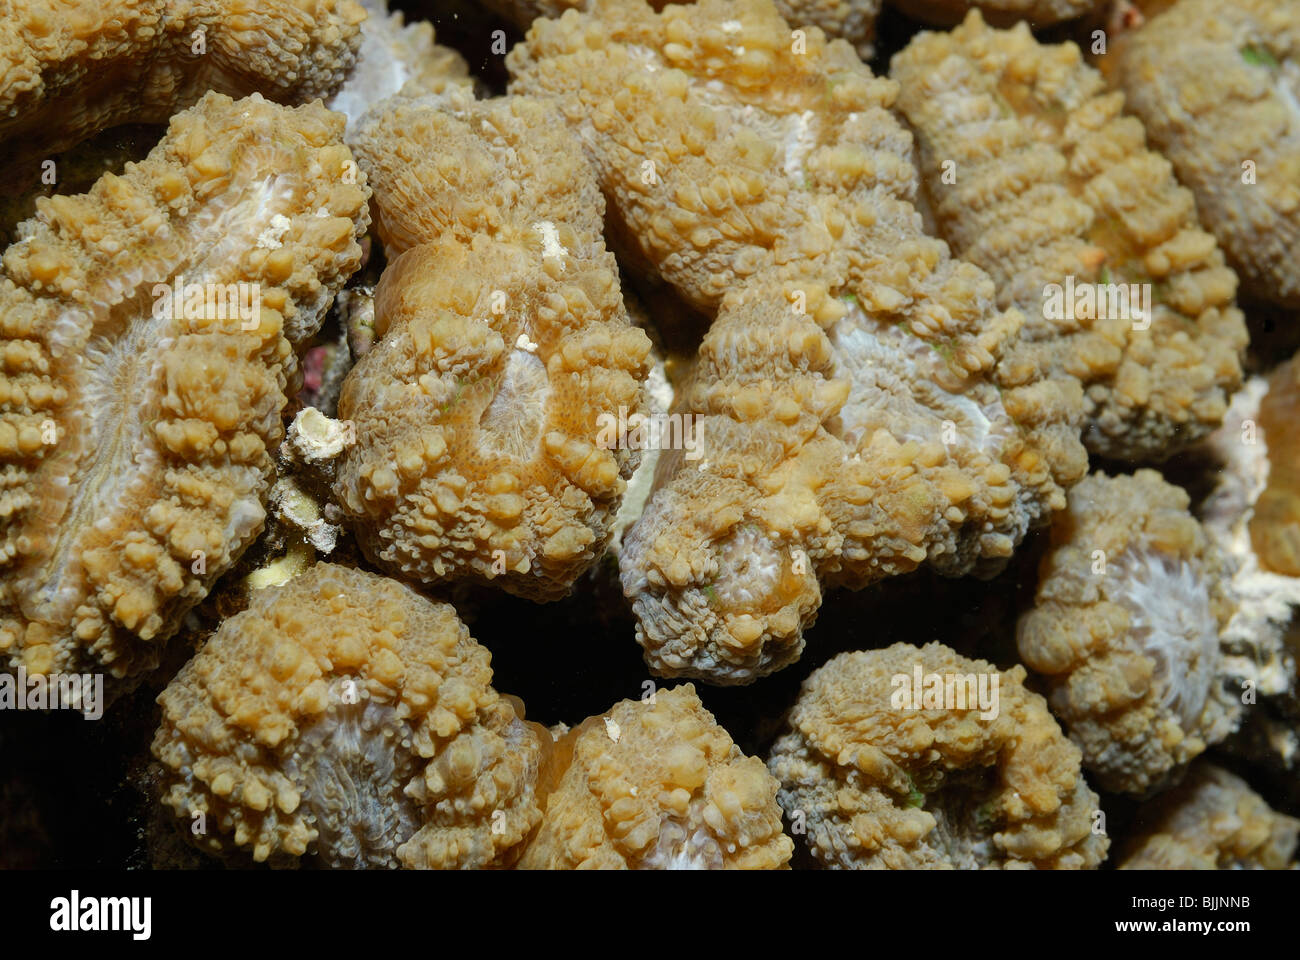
(881,772)
(875,328)
(1034,174)
(73,68)
(503,343)
(1216,85)
(1213,821)
(1132,602)
(657,784)
(149,333)
(343,717)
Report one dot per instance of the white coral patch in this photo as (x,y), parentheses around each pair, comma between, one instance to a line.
(1168,602)
(272,238)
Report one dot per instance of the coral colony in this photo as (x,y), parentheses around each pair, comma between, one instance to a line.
(700,322)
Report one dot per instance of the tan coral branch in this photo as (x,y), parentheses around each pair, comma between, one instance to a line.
(504,341)
(1033,174)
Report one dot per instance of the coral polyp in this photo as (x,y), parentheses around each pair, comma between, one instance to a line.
(657,785)
(503,342)
(150,329)
(1218,87)
(161,57)
(1034,174)
(929,781)
(368,737)
(1133,602)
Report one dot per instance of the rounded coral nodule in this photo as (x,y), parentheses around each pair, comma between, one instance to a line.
(1033,174)
(855,423)
(1218,87)
(75,67)
(1212,821)
(833,446)
(908,758)
(657,784)
(1126,630)
(480,414)
(149,329)
(344,716)
(724,143)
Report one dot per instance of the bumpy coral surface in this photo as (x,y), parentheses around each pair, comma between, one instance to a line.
(1218,87)
(449,166)
(832,446)
(344,716)
(657,785)
(1126,629)
(851,20)
(882,770)
(1213,821)
(138,410)
(394,53)
(726,146)
(1037,13)
(70,68)
(504,341)
(1034,175)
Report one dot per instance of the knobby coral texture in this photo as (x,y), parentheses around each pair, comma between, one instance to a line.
(68,69)
(1213,821)
(1133,601)
(1218,87)
(854,417)
(885,770)
(345,718)
(503,342)
(726,148)
(144,383)
(926,382)
(657,784)
(1034,174)
(851,20)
